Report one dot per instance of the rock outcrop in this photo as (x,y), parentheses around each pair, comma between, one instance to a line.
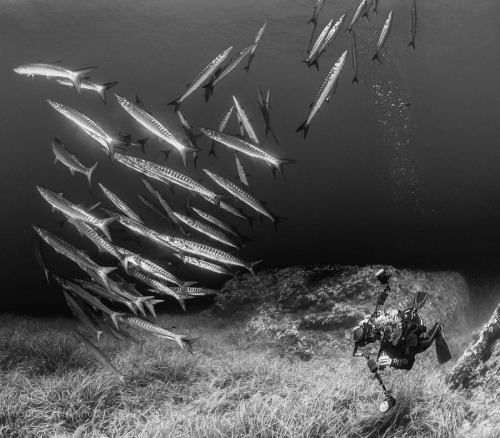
(304,310)
(479,366)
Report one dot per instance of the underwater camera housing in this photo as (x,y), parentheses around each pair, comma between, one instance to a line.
(383,276)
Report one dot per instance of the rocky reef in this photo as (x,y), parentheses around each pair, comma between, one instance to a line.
(304,310)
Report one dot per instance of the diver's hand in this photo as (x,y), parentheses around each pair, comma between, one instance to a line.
(384,361)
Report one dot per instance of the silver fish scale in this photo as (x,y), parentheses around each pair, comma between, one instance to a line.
(146,325)
(209,252)
(214,63)
(68,250)
(154,269)
(225,120)
(151,281)
(67,207)
(237,191)
(173,175)
(239,144)
(67,158)
(319,41)
(196,291)
(85,84)
(148,121)
(45,69)
(120,204)
(207,229)
(103,292)
(95,237)
(215,221)
(80,118)
(207,265)
(233,62)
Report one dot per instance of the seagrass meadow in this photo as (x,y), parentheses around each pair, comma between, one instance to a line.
(234,385)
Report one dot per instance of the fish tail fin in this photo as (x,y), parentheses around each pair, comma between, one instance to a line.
(304,127)
(185,285)
(316,64)
(89,173)
(355,79)
(411,43)
(375,57)
(104,88)
(143,144)
(209,90)
(131,307)
(313,21)
(78,75)
(103,274)
(281,163)
(104,226)
(175,102)
(277,220)
(125,260)
(167,153)
(151,308)
(184,342)
(252,264)
(212,151)
(114,317)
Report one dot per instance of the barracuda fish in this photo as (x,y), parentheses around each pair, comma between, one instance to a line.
(203,264)
(183,340)
(109,295)
(70,161)
(172,175)
(317,45)
(243,196)
(121,334)
(332,34)
(258,37)
(87,85)
(221,128)
(120,204)
(88,298)
(152,268)
(247,148)
(103,360)
(354,56)
(138,228)
(242,175)
(55,71)
(208,230)
(386,30)
(88,125)
(80,314)
(73,211)
(317,8)
(159,287)
(153,125)
(190,135)
(203,76)
(119,290)
(245,121)
(324,92)
(39,259)
(413,23)
(214,220)
(154,207)
(74,254)
(103,244)
(357,15)
(208,252)
(198,291)
(226,69)
(265,106)
(166,206)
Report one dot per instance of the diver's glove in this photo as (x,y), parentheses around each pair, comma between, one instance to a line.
(384,361)
(372,365)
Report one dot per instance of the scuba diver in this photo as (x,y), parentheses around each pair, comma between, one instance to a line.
(402,335)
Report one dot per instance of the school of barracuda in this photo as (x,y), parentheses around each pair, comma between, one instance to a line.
(210,233)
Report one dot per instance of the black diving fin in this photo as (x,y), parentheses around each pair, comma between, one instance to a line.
(443,351)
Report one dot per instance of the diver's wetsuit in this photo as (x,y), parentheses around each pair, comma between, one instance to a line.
(412,342)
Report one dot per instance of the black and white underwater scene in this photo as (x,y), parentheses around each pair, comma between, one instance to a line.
(259,218)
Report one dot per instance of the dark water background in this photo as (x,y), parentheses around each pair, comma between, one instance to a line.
(416,186)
